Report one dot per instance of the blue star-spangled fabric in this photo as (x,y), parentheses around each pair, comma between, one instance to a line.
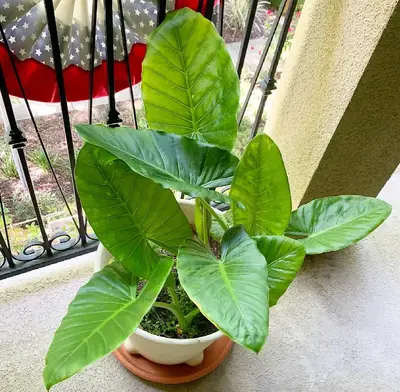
(27,33)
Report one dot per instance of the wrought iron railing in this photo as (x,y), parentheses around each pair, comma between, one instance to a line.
(63,245)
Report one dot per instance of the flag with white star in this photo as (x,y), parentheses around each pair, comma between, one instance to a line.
(25,26)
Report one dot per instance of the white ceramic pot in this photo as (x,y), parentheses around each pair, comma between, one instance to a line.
(158,349)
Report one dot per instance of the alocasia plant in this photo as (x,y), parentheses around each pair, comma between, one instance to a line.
(126,178)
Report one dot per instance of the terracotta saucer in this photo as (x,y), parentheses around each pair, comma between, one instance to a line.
(175,374)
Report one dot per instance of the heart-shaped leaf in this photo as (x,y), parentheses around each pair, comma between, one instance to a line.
(261,185)
(128,211)
(333,223)
(284,258)
(172,161)
(231,292)
(189,83)
(103,314)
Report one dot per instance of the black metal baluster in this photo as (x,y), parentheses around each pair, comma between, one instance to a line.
(209,9)
(18,142)
(5,251)
(51,21)
(269,83)
(261,61)
(126,58)
(12,61)
(113,114)
(3,216)
(245,43)
(221,17)
(161,10)
(5,247)
(200,6)
(92,55)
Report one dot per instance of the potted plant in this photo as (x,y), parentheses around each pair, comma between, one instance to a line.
(213,274)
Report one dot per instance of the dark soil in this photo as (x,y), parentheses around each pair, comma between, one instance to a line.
(162,322)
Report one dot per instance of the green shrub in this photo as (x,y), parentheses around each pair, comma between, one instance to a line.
(39,159)
(7,167)
(236,15)
(22,208)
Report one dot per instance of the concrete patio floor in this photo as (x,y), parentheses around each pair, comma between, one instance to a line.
(337,328)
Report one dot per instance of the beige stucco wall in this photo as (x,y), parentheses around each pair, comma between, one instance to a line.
(332,48)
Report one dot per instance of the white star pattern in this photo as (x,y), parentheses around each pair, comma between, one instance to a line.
(140,20)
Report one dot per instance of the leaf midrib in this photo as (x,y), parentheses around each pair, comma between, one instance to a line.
(316,234)
(218,196)
(188,85)
(224,275)
(96,330)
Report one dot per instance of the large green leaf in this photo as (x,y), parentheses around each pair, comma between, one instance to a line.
(172,161)
(128,211)
(189,83)
(333,223)
(103,314)
(261,185)
(231,292)
(284,258)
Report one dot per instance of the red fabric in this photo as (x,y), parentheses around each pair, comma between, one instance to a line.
(39,80)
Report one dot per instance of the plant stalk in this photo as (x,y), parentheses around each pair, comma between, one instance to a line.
(191,315)
(214,214)
(178,314)
(203,221)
